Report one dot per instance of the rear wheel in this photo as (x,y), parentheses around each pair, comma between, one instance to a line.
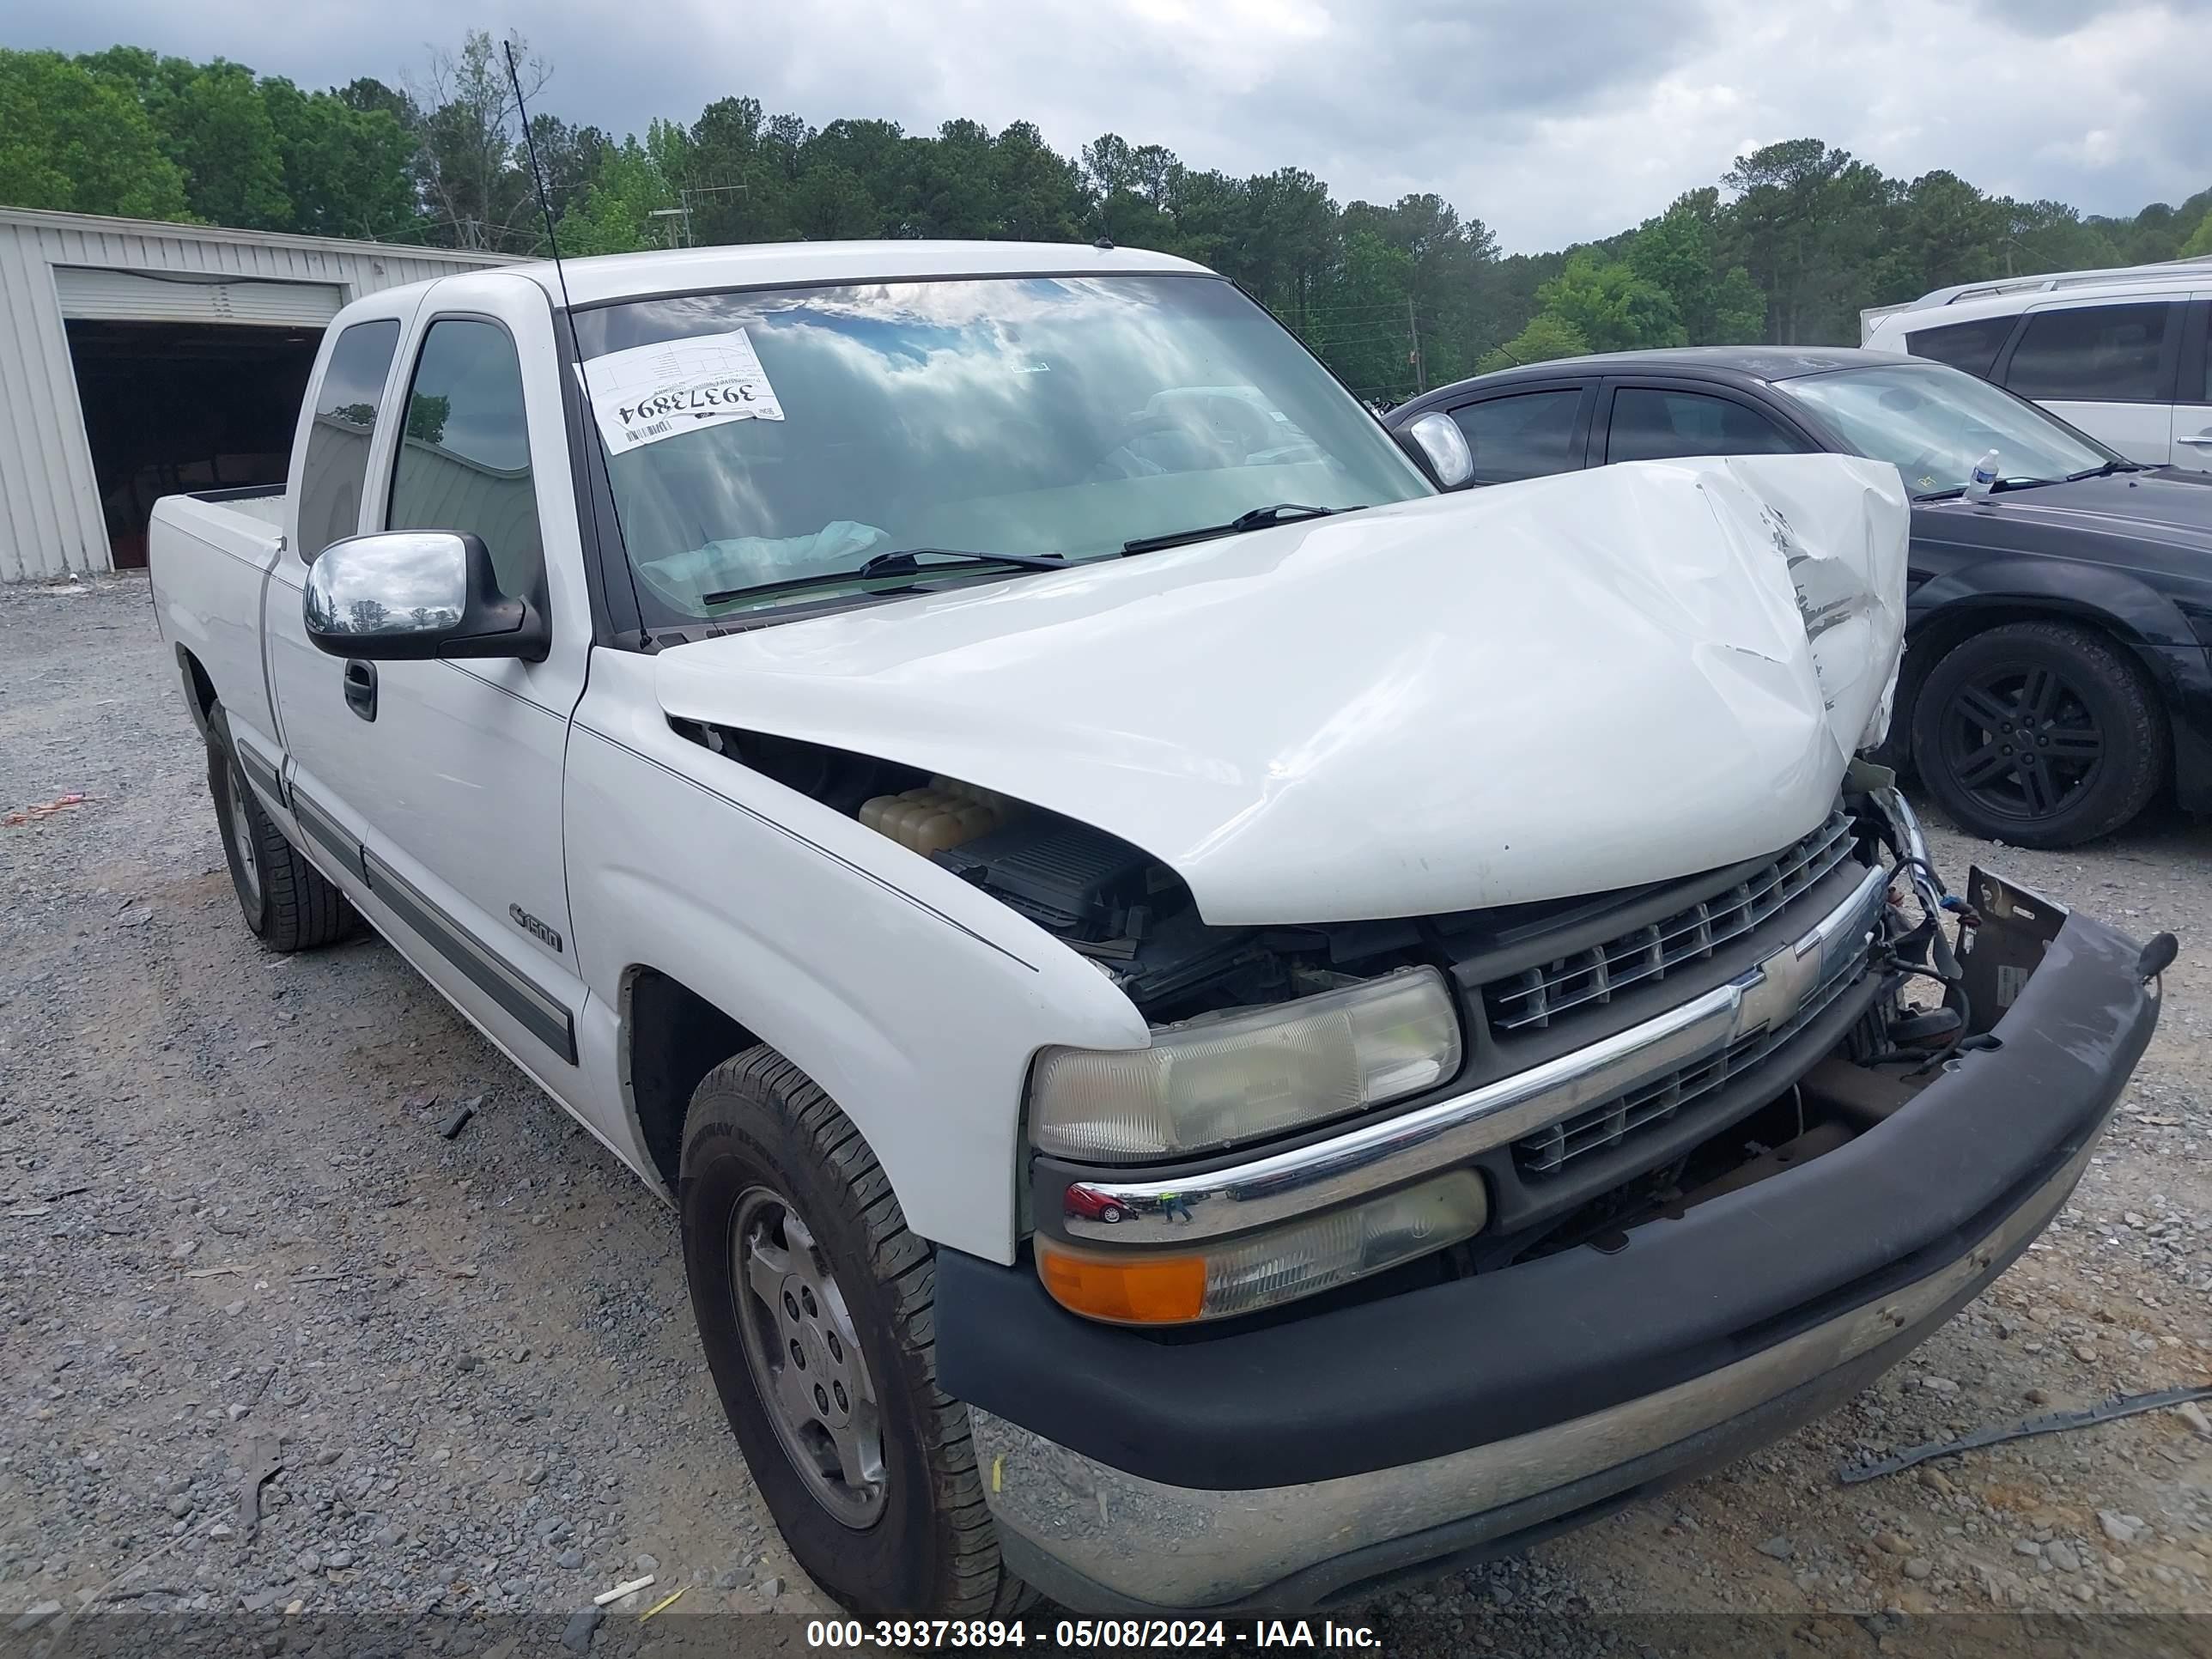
(286,901)
(814,1306)
(2038,733)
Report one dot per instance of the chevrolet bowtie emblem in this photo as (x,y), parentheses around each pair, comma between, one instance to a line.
(1779,987)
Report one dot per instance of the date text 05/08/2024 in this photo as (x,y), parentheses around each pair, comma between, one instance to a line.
(1089,1634)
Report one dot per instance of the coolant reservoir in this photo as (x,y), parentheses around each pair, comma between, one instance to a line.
(943,814)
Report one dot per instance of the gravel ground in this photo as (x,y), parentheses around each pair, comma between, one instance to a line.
(230,1230)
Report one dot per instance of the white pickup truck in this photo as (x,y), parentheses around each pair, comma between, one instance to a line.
(1222,1026)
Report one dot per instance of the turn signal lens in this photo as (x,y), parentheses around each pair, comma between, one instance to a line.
(1140,1290)
(1259,1270)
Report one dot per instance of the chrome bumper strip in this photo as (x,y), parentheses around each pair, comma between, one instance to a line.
(1390,1151)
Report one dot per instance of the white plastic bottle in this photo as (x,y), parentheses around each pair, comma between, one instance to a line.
(1984,476)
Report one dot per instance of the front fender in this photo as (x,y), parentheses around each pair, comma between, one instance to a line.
(914,999)
(2117,599)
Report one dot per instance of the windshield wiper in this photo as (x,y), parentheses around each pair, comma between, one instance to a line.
(1258,518)
(2008,485)
(905,563)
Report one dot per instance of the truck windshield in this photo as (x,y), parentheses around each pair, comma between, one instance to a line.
(1933,423)
(761,443)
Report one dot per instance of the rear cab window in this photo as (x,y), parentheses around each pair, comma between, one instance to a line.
(1658,424)
(1523,434)
(336,464)
(2114,354)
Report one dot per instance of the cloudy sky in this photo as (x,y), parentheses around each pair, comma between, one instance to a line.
(1551,121)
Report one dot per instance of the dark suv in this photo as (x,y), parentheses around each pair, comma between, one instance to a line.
(2055,678)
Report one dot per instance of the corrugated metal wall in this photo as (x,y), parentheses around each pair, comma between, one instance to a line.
(51,522)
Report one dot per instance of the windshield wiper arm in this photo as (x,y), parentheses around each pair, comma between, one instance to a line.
(2106,471)
(1258,518)
(905,563)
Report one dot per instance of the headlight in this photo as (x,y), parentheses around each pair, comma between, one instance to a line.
(1240,1275)
(1242,1076)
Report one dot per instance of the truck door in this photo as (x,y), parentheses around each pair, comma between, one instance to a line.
(435,787)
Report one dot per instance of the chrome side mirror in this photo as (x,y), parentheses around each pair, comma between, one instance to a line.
(1445,447)
(408,594)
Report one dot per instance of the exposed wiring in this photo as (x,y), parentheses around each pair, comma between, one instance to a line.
(1952,988)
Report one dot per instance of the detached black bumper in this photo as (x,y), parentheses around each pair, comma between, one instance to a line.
(1296,1462)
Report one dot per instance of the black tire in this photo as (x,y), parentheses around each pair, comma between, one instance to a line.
(286,901)
(757,1125)
(2039,734)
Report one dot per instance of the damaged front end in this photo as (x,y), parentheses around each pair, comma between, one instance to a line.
(1565,992)
(1621,1058)
(1343,1111)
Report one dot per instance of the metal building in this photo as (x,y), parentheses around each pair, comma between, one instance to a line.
(137,359)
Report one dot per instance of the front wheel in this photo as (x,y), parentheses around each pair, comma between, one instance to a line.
(2038,733)
(814,1305)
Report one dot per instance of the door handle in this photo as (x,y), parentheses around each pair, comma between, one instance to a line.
(2203,440)
(361,687)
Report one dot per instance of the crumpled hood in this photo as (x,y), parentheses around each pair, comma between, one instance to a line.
(1542,690)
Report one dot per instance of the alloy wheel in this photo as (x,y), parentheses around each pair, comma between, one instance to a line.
(2021,741)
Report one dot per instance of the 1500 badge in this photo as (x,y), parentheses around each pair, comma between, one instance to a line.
(530,924)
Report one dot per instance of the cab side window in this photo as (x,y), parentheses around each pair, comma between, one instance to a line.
(336,464)
(463,460)
(1650,424)
(1529,435)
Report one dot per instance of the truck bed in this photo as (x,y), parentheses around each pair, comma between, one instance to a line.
(209,556)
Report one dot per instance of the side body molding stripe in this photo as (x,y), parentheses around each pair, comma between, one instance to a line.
(544,1018)
(260,774)
(327,830)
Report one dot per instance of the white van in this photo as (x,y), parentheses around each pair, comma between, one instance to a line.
(2120,354)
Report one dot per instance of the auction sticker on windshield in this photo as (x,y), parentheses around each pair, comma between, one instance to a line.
(649,392)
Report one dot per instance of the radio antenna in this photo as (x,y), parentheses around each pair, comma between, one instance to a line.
(569,315)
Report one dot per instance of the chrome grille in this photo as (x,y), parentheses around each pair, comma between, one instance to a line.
(1659,1098)
(1531,999)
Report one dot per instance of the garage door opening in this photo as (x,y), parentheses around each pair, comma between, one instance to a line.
(173,406)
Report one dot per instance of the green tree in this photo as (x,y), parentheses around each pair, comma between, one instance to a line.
(1944,231)
(2046,235)
(80,141)
(1608,305)
(1040,192)
(1810,223)
(1547,336)
(2199,244)
(1359,327)
(345,170)
(616,212)
(217,129)
(828,203)
(1680,253)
